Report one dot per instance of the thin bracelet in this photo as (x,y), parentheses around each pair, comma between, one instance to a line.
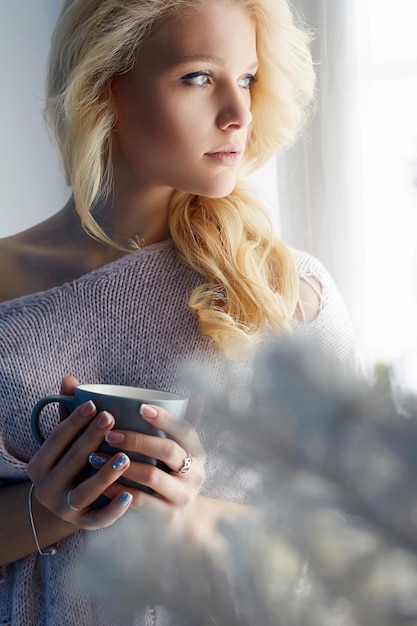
(48,551)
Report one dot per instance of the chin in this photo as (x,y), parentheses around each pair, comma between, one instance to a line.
(211,188)
(219,191)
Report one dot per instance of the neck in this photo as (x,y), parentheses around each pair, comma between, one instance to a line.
(129,215)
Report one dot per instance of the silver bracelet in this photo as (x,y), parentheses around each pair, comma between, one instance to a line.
(48,551)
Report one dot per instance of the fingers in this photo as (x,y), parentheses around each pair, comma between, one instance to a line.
(68,385)
(171,451)
(174,489)
(162,448)
(142,500)
(57,466)
(72,509)
(65,449)
(171,487)
(92,519)
(88,491)
(56,491)
(75,458)
(181,430)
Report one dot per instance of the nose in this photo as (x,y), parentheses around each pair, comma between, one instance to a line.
(235,110)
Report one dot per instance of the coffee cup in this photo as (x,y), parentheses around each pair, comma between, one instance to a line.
(123,403)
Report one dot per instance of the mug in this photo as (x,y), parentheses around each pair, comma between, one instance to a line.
(123,403)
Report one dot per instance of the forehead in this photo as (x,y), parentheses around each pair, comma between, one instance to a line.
(216,30)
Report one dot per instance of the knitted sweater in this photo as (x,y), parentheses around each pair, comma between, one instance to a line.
(128,323)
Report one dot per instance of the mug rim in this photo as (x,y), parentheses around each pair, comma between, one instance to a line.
(134,393)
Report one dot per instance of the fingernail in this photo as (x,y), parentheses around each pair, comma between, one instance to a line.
(87,409)
(120,461)
(104,420)
(96,459)
(114,437)
(147,411)
(125,499)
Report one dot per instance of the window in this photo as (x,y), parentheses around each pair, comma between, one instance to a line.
(388,66)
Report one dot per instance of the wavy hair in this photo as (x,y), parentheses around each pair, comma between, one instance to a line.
(251,279)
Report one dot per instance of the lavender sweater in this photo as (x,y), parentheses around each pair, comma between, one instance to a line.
(125,323)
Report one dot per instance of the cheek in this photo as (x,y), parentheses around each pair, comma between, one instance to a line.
(174,123)
(136,109)
(151,119)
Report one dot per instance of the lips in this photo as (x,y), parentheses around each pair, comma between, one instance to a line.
(226,155)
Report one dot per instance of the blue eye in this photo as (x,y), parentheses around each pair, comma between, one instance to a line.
(247,81)
(201,79)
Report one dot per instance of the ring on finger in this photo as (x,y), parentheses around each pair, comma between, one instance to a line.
(70,504)
(186,465)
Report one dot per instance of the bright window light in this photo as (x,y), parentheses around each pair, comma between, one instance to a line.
(388,57)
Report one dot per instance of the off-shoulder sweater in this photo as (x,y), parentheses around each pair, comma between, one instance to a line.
(129,323)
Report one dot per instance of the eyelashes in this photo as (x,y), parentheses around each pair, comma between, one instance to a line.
(247,81)
(200,79)
(204,78)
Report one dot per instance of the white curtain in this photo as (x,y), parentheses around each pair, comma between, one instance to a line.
(319,179)
(347,189)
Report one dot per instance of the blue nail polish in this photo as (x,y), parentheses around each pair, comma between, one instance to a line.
(125,499)
(120,462)
(96,459)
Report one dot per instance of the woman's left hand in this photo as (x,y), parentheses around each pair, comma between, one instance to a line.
(184,455)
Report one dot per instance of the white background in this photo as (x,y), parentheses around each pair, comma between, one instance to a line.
(31,183)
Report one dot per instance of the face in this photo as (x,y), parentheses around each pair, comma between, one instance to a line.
(183,111)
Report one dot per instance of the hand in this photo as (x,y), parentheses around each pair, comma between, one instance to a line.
(173,493)
(56,467)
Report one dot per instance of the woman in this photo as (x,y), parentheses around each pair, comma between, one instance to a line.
(159,108)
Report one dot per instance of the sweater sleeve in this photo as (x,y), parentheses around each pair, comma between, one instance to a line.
(14,444)
(331,330)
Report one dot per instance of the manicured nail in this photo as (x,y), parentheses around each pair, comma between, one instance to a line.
(125,499)
(87,409)
(113,437)
(104,420)
(96,459)
(120,461)
(147,411)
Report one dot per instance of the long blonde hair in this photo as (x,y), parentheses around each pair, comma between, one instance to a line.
(251,279)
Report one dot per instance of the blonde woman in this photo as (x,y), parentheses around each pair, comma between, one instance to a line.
(160,257)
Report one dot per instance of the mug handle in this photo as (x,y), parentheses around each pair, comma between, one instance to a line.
(68,401)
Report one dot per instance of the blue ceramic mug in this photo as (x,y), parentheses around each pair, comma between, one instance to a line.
(123,403)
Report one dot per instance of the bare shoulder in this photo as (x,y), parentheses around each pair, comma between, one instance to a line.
(28,266)
(310,298)
(312,285)
(48,255)
(25,263)
(36,259)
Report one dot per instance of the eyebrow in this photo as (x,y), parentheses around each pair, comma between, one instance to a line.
(203,58)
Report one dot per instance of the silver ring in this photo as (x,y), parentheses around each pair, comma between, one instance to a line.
(186,466)
(71,506)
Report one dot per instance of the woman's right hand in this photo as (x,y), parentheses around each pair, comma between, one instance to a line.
(56,467)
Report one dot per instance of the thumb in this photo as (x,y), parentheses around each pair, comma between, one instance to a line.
(68,385)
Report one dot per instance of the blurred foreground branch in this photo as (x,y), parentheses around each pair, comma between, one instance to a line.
(332,535)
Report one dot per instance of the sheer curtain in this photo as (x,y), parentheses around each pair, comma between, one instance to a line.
(319,179)
(347,189)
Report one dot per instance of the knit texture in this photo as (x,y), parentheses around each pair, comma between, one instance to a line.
(125,323)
